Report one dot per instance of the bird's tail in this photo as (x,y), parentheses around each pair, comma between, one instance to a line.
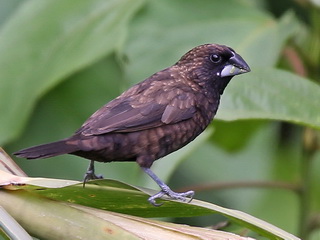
(47,150)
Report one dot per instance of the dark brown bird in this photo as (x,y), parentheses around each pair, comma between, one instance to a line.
(154,117)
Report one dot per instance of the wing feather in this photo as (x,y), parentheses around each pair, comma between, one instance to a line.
(140,111)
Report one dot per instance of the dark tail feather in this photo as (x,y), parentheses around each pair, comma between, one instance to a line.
(46,150)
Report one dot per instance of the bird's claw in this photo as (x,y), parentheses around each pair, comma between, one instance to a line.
(183,197)
(90,175)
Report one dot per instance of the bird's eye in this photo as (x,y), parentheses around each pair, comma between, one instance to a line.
(215,58)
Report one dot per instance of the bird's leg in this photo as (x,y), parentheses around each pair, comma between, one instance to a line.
(90,174)
(165,190)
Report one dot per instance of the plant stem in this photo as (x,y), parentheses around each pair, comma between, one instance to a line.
(304,197)
(309,149)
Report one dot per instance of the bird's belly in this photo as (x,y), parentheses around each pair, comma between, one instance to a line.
(159,142)
(151,143)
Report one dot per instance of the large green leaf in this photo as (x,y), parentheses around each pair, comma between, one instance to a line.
(111,196)
(35,195)
(62,111)
(47,219)
(45,41)
(162,33)
(272,94)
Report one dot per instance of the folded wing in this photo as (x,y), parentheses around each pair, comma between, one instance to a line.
(132,114)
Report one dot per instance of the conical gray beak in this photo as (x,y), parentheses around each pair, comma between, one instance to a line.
(235,66)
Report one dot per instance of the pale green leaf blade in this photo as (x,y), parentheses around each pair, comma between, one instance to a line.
(47,219)
(122,198)
(271,94)
(45,41)
(249,31)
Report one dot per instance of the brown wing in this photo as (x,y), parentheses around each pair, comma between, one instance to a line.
(142,108)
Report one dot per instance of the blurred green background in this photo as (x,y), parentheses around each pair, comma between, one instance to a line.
(62,60)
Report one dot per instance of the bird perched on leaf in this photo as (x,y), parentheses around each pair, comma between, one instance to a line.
(154,117)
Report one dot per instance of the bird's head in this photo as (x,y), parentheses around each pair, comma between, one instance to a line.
(213,65)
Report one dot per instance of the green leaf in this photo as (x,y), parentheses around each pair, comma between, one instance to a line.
(34,196)
(232,136)
(48,219)
(271,94)
(45,41)
(7,8)
(118,197)
(70,103)
(162,33)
